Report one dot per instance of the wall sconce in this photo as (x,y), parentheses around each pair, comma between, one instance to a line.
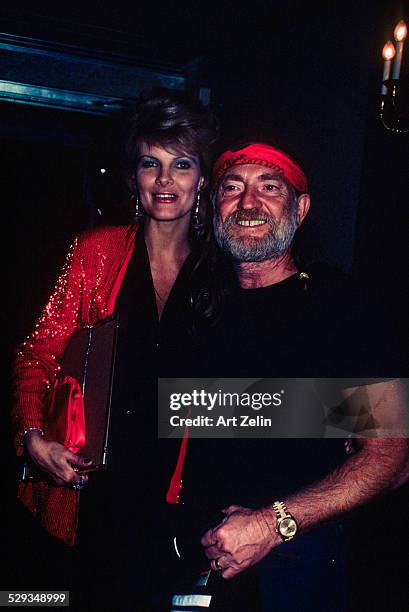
(394,112)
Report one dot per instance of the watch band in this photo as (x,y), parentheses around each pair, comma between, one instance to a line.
(282,514)
(281,510)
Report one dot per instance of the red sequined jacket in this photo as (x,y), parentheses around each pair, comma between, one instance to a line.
(85,292)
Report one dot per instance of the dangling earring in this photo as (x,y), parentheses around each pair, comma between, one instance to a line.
(195,217)
(138,208)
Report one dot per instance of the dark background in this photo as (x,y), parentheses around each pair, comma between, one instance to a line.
(306,75)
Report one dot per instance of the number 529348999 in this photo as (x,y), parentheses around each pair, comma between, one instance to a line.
(34,598)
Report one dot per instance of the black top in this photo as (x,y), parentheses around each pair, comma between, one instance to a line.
(147,348)
(139,465)
(316,328)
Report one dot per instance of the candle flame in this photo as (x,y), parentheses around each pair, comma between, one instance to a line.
(401,31)
(388,51)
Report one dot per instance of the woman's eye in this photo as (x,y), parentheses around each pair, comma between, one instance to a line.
(148,163)
(183,164)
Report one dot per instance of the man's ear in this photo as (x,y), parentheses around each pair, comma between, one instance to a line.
(303,206)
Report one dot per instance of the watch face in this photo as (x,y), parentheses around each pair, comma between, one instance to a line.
(288,527)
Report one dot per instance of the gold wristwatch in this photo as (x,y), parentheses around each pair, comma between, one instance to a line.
(286,524)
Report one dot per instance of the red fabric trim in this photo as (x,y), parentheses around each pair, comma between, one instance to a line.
(175,486)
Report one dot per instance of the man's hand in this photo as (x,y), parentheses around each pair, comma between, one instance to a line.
(58,462)
(241,540)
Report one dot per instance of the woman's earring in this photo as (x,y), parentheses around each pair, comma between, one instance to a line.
(195,217)
(138,207)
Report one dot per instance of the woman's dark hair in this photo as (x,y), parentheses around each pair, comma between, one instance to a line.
(174,120)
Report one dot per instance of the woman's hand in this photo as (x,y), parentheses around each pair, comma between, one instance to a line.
(59,463)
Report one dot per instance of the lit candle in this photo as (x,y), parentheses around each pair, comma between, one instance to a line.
(400,32)
(388,53)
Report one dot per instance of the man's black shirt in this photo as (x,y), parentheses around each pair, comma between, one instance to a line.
(318,327)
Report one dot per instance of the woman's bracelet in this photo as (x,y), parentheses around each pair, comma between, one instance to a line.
(27,431)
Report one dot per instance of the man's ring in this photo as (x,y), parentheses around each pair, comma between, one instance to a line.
(79,485)
(216,565)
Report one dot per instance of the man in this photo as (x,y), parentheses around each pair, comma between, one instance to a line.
(283,321)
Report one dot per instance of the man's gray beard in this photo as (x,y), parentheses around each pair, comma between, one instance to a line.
(276,242)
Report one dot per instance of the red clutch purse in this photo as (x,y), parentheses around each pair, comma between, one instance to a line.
(66,414)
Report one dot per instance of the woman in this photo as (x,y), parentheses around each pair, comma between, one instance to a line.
(147,273)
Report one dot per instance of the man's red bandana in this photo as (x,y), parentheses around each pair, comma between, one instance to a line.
(262,155)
